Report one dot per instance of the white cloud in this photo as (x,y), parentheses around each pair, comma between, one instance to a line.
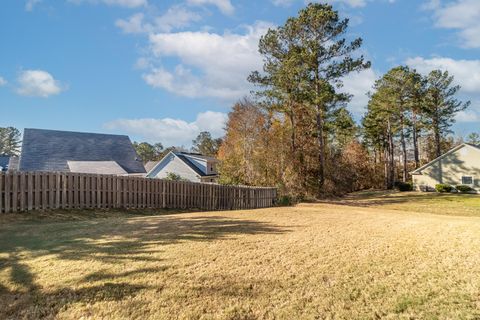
(359,84)
(134,24)
(466,72)
(461,15)
(30,4)
(351,3)
(38,83)
(120,3)
(283,3)
(169,131)
(2,82)
(174,18)
(225,6)
(210,64)
(467,75)
(467,116)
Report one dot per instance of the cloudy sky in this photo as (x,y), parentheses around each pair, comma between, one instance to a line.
(161,70)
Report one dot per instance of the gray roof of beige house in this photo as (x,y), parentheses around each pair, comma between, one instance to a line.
(150,165)
(4,162)
(188,160)
(96,167)
(8,163)
(454,149)
(50,150)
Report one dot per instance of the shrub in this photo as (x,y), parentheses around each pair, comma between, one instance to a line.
(464,188)
(285,201)
(171,176)
(403,186)
(442,187)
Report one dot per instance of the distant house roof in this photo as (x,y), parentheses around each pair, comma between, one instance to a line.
(150,165)
(187,158)
(199,156)
(184,156)
(454,149)
(50,150)
(14,163)
(96,167)
(4,161)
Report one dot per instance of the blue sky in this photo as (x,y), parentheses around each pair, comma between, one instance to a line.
(165,70)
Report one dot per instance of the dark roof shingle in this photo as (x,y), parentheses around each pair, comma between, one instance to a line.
(184,157)
(49,150)
(4,161)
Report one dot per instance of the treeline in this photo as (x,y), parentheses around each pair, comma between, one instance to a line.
(408,113)
(296,133)
(204,144)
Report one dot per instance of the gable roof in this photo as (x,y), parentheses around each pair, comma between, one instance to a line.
(199,156)
(453,150)
(4,161)
(150,165)
(49,150)
(13,164)
(96,167)
(184,157)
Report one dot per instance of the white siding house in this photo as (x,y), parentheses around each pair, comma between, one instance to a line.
(189,166)
(459,166)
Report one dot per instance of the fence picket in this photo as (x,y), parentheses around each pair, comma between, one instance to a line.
(26,191)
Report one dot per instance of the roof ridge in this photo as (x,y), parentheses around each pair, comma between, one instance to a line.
(443,155)
(76,132)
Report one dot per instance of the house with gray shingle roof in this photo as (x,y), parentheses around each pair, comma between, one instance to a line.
(8,163)
(189,166)
(82,152)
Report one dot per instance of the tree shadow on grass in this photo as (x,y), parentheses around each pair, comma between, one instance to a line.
(110,242)
(376,199)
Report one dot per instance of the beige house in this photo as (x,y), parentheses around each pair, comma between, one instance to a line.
(459,166)
(188,166)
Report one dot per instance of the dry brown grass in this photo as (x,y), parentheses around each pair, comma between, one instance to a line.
(315,261)
(423,202)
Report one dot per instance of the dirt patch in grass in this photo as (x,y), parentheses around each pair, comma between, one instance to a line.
(312,261)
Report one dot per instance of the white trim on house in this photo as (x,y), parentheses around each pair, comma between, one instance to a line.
(419,170)
(166,157)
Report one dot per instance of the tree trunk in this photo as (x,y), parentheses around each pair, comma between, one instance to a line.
(321,145)
(415,141)
(437,136)
(438,147)
(404,153)
(391,174)
(293,133)
(386,160)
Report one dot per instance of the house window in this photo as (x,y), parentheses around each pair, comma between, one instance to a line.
(467,180)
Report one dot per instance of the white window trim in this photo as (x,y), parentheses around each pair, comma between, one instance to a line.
(468,184)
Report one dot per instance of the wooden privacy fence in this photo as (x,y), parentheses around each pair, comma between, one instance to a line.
(25,191)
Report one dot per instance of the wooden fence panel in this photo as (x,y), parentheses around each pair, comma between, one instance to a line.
(27,191)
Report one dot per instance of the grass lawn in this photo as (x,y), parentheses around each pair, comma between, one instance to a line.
(380,256)
(423,202)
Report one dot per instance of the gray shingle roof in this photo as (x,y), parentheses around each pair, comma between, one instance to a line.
(96,167)
(182,156)
(150,165)
(49,150)
(200,156)
(4,161)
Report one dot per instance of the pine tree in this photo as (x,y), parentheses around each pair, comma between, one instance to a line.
(9,141)
(441,105)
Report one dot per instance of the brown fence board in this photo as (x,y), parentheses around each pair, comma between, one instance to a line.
(27,191)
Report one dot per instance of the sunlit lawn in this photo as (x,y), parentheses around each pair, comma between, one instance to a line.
(313,261)
(424,202)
